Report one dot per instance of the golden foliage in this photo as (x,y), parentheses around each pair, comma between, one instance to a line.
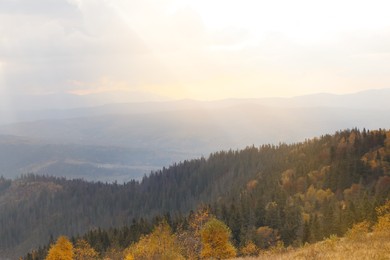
(376,158)
(160,244)
(216,240)
(359,243)
(278,247)
(83,251)
(332,241)
(61,250)
(113,253)
(287,180)
(322,195)
(189,240)
(383,224)
(198,219)
(384,209)
(250,249)
(358,231)
(129,257)
(189,244)
(372,247)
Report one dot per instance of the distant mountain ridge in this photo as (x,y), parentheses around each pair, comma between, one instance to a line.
(364,100)
(167,132)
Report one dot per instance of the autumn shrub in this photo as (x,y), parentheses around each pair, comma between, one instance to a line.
(383,224)
(331,242)
(161,244)
(216,240)
(250,249)
(83,251)
(358,231)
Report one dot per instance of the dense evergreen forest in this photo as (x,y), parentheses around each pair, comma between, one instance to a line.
(293,194)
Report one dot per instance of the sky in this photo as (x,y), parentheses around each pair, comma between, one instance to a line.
(201,49)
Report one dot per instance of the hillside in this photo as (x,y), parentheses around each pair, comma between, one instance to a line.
(301,192)
(369,247)
(363,241)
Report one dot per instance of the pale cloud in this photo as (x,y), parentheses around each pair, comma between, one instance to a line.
(45,52)
(103,85)
(193,49)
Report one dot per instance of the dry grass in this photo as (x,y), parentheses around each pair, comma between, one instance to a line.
(364,246)
(358,243)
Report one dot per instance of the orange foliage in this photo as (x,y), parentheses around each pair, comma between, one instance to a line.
(251,185)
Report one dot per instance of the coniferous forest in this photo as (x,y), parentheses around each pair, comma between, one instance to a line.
(253,199)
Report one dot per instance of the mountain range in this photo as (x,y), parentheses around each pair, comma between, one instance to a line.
(137,138)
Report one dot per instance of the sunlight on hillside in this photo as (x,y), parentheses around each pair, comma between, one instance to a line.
(362,241)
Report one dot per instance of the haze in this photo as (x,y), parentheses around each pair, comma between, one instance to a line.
(125,51)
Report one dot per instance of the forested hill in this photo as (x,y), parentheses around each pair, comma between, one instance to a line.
(304,191)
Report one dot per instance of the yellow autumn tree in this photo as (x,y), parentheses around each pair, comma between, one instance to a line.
(216,240)
(160,244)
(61,250)
(83,251)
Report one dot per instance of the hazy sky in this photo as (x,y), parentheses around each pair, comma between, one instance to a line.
(200,49)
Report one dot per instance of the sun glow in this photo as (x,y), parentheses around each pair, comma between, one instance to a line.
(302,19)
(261,48)
(199,49)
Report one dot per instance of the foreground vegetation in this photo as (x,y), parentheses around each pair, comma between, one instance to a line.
(370,248)
(363,241)
(209,238)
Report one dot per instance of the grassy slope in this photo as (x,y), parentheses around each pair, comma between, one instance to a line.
(374,245)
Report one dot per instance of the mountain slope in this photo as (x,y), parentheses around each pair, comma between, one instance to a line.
(363,241)
(305,191)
